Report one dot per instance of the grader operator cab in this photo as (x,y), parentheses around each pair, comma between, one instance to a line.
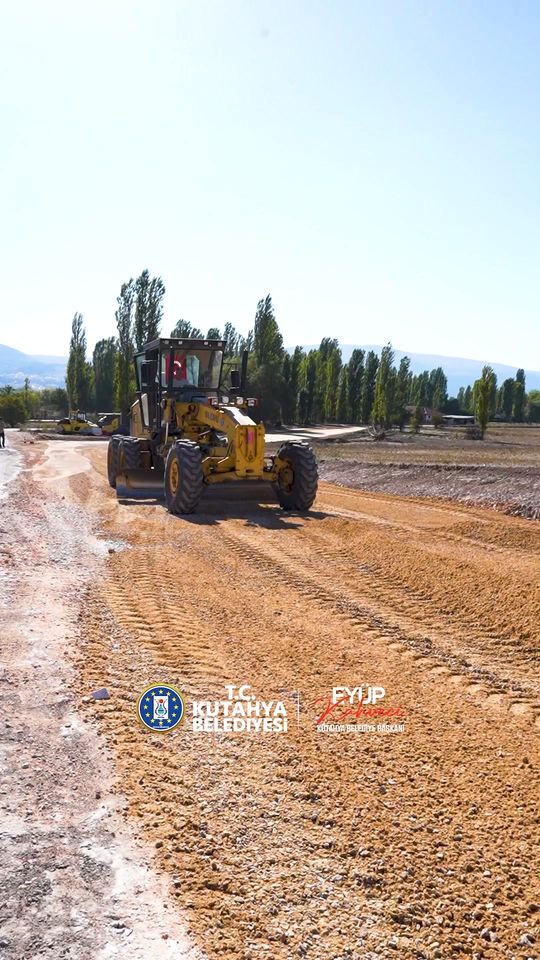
(187,434)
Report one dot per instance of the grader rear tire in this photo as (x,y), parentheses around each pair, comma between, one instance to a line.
(297,481)
(183,477)
(112,459)
(129,454)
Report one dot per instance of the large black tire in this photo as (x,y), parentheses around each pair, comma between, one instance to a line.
(297,481)
(129,454)
(112,459)
(183,477)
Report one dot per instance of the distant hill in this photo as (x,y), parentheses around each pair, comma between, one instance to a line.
(42,371)
(460,372)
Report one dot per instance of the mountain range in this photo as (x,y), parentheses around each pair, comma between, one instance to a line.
(44,371)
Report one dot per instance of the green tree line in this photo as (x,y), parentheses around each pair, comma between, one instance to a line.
(293,386)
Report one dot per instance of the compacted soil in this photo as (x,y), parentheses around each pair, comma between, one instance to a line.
(502,471)
(418,839)
(513,490)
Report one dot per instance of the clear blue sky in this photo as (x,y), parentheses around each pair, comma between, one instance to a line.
(375,166)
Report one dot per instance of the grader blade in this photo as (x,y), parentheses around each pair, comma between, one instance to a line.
(148,485)
(239,491)
(139,485)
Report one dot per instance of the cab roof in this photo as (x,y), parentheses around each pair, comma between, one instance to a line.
(170,343)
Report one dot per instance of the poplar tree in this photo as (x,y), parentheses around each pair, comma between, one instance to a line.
(368,386)
(79,371)
(104,364)
(519,396)
(482,394)
(125,380)
(149,293)
(384,388)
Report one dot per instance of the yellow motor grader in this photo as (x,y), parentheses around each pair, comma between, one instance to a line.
(188,434)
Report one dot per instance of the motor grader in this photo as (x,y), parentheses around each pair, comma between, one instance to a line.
(188,434)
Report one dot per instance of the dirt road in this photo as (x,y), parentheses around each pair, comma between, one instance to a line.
(75,881)
(415,844)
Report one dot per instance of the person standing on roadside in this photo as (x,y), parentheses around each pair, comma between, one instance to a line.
(2,434)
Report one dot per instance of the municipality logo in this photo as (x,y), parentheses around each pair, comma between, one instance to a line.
(161,708)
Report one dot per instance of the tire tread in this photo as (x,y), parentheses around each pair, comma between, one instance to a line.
(306,476)
(186,498)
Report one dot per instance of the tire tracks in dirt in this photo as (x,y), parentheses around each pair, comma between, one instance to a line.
(368,595)
(329,846)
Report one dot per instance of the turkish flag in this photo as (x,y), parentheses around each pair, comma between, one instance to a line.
(179,367)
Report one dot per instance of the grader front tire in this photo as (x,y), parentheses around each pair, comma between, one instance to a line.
(297,479)
(183,477)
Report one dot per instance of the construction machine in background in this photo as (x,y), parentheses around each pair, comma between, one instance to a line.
(78,423)
(110,423)
(188,435)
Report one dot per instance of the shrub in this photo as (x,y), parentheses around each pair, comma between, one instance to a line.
(12,409)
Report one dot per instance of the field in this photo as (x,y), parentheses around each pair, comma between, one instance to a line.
(329,845)
(502,471)
(505,444)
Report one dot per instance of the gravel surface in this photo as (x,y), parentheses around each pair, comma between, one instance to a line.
(76,884)
(419,843)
